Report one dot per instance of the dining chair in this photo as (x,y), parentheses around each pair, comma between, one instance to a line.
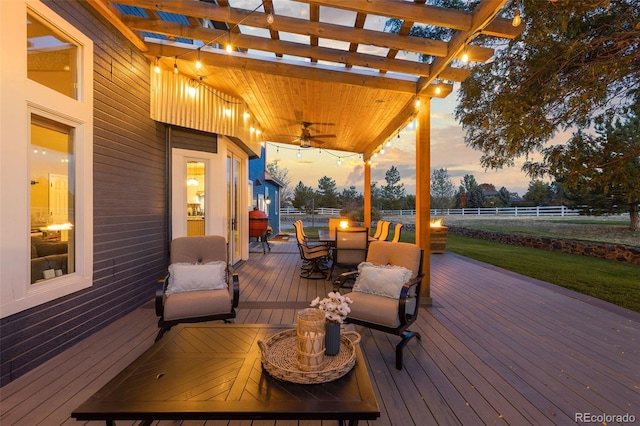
(384,233)
(376,235)
(397,232)
(314,258)
(350,248)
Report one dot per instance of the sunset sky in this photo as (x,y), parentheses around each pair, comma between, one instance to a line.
(448,150)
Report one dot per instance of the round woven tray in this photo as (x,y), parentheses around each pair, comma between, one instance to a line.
(279,359)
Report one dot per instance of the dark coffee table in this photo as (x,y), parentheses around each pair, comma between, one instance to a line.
(213,372)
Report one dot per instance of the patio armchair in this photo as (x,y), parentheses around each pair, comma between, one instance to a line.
(199,285)
(350,248)
(386,292)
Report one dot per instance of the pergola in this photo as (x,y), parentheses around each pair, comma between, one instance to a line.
(320,73)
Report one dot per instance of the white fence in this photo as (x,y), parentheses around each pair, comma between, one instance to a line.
(481,211)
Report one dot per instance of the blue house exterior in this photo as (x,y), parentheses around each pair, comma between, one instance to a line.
(266,190)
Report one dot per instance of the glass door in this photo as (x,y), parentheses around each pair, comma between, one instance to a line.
(196,182)
(234,208)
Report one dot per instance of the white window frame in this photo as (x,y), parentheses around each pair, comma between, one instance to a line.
(19,99)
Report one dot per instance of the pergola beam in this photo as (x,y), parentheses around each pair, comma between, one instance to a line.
(276,66)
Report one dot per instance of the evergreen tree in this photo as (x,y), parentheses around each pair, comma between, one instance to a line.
(442,189)
(393,192)
(505,197)
(303,197)
(327,193)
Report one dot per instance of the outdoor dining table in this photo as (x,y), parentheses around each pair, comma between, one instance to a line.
(214,372)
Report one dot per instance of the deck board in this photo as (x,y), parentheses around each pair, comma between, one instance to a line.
(496,348)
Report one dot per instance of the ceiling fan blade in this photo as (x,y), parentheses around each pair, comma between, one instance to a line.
(323,136)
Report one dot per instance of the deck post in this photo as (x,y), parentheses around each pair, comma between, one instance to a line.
(423,194)
(367,193)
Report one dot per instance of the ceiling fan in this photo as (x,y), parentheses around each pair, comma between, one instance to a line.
(306,137)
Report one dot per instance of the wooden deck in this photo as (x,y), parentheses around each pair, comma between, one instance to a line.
(496,348)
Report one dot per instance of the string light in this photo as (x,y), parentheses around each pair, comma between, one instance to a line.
(465,57)
(198,63)
(516,19)
(156,67)
(299,154)
(270,18)
(339,161)
(175,66)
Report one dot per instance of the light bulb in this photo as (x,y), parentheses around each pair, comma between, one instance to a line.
(198,64)
(175,69)
(465,57)
(270,18)
(516,18)
(438,89)
(229,48)
(339,161)
(157,69)
(417,103)
(299,154)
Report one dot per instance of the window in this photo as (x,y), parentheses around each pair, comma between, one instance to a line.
(51,57)
(46,152)
(52,184)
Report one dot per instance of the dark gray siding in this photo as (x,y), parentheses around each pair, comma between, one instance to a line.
(193,139)
(130,206)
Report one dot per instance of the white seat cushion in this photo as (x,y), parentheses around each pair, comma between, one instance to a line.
(377,309)
(193,304)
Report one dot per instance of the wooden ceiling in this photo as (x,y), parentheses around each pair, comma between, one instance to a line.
(324,62)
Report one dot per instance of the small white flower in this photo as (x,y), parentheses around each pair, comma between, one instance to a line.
(335,306)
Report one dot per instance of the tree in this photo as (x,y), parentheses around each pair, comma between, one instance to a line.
(303,197)
(603,168)
(327,193)
(442,189)
(505,197)
(393,192)
(575,65)
(539,193)
(467,184)
(282,175)
(350,199)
